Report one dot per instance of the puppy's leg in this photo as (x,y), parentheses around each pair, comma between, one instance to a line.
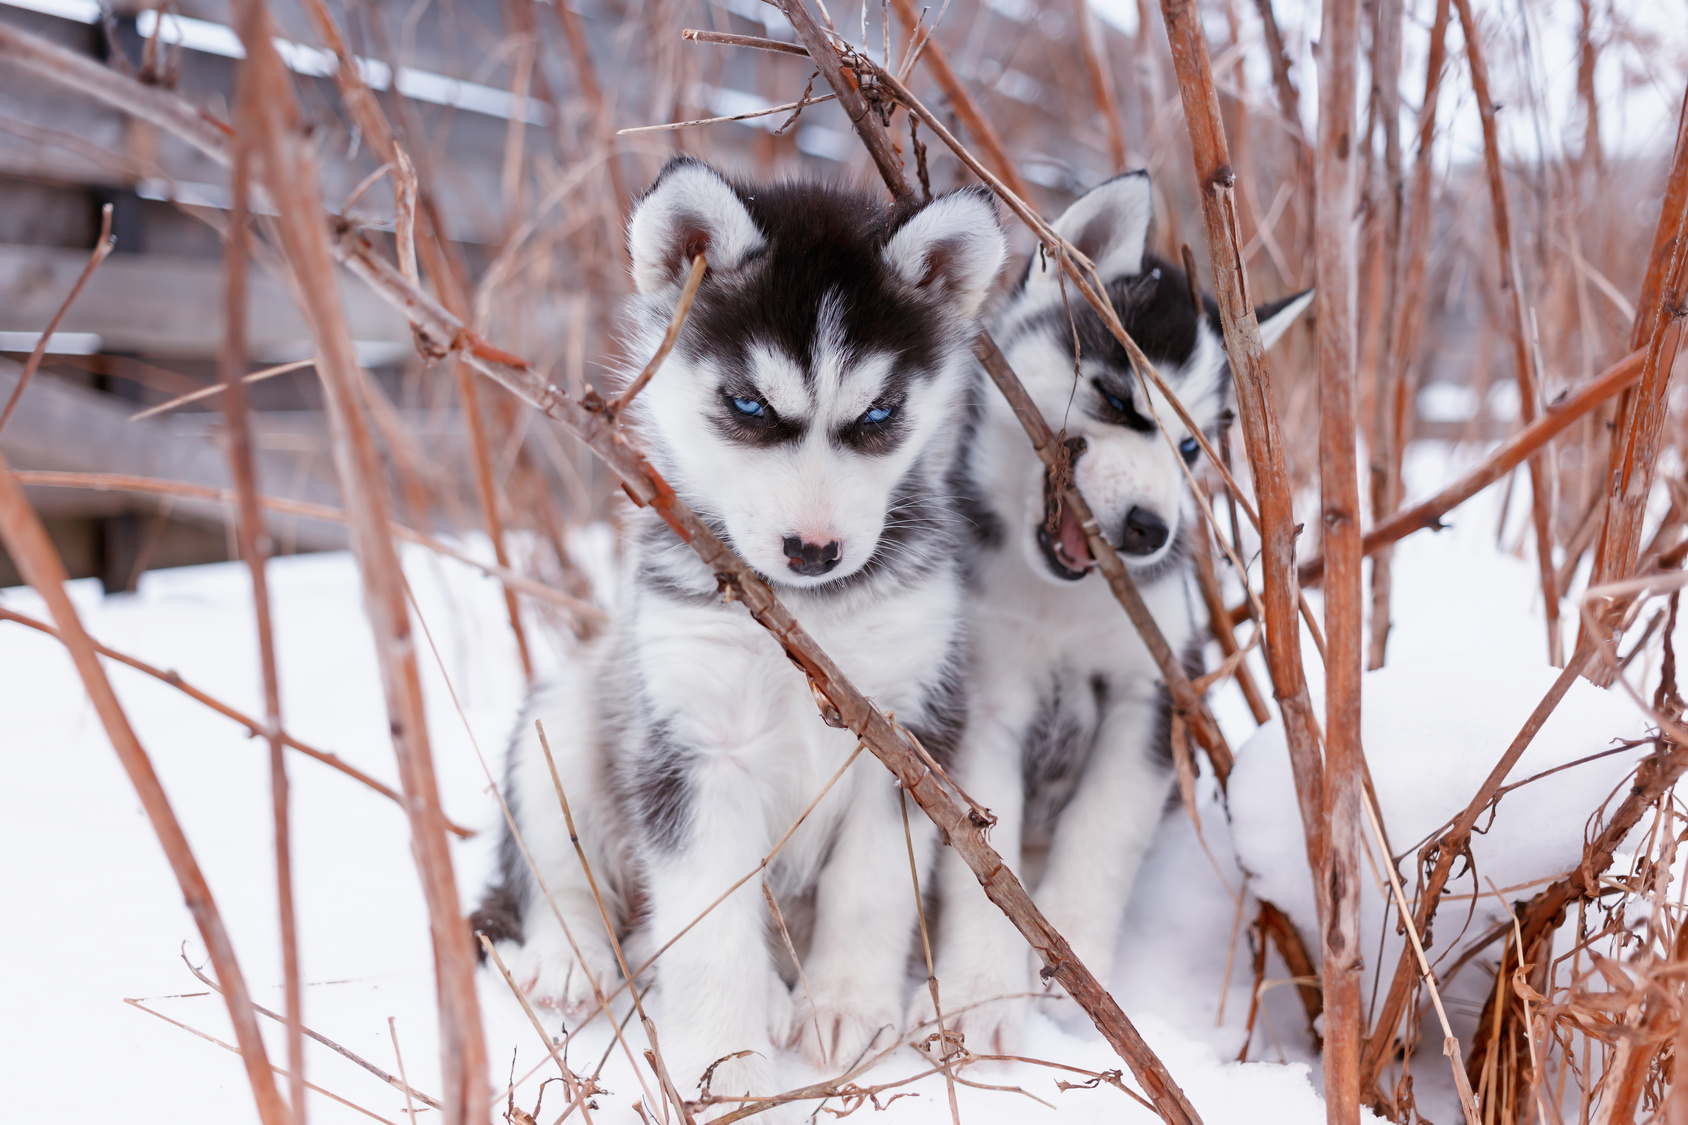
(546,964)
(715,982)
(865,917)
(981,959)
(1105,830)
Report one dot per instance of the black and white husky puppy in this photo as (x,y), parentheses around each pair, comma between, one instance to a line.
(813,412)
(1067,734)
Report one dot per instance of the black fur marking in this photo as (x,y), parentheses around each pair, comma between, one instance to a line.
(504,903)
(945,706)
(662,792)
(818,231)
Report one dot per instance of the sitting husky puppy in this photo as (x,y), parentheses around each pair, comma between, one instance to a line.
(1067,733)
(813,411)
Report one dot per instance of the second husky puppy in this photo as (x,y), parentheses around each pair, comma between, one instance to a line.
(813,412)
(1067,734)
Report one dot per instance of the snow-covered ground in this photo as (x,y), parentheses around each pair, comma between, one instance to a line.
(91,914)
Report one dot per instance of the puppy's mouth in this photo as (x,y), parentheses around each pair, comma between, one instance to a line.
(1064,545)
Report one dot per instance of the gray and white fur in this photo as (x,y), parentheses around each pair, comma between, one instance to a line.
(813,412)
(1067,731)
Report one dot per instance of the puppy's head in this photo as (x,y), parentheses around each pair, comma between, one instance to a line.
(822,373)
(1123,465)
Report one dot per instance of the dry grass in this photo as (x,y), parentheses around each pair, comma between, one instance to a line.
(1564,276)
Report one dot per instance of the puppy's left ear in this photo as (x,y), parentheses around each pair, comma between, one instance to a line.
(1275,317)
(952,248)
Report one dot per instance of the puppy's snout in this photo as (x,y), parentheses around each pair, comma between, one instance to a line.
(1144,534)
(814,559)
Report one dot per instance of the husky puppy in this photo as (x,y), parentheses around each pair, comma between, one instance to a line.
(1067,733)
(813,412)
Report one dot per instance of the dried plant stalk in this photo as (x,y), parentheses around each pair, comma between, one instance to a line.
(1512,287)
(1253,380)
(1427,514)
(102,247)
(449,280)
(1338,879)
(977,124)
(26,542)
(253,542)
(289,166)
(1643,409)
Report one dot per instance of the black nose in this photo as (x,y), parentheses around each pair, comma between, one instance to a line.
(813,560)
(1145,532)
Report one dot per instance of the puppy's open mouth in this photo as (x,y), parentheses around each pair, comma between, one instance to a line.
(1065,548)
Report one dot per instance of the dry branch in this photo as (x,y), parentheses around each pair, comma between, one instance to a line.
(1428,513)
(102,247)
(1512,286)
(1216,183)
(304,509)
(26,542)
(1439,856)
(1658,328)
(1338,879)
(253,726)
(289,169)
(254,546)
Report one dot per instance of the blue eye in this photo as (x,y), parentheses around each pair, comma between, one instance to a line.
(1115,402)
(750,407)
(1189,447)
(878,414)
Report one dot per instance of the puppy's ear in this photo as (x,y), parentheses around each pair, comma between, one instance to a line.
(952,247)
(690,210)
(1275,317)
(1109,224)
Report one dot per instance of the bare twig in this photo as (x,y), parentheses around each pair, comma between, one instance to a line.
(1507,456)
(26,541)
(669,336)
(253,726)
(254,545)
(102,248)
(289,165)
(1512,285)
(219,388)
(1338,879)
(787,107)
(352,1056)
(1255,408)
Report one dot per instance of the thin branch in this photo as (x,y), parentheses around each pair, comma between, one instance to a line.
(102,248)
(306,510)
(788,107)
(669,336)
(1428,513)
(1512,286)
(219,388)
(26,541)
(253,726)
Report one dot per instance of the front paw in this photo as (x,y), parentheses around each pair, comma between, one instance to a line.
(722,1086)
(986,1005)
(840,1028)
(546,969)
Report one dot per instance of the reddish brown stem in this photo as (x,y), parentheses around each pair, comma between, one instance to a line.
(26,541)
(1512,288)
(977,125)
(289,164)
(1511,453)
(1217,187)
(1642,410)
(253,541)
(102,247)
(1339,485)
(1094,51)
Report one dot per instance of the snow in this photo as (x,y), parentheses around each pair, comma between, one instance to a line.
(93,914)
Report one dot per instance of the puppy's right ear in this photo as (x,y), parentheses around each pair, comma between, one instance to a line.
(690,210)
(1109,224)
